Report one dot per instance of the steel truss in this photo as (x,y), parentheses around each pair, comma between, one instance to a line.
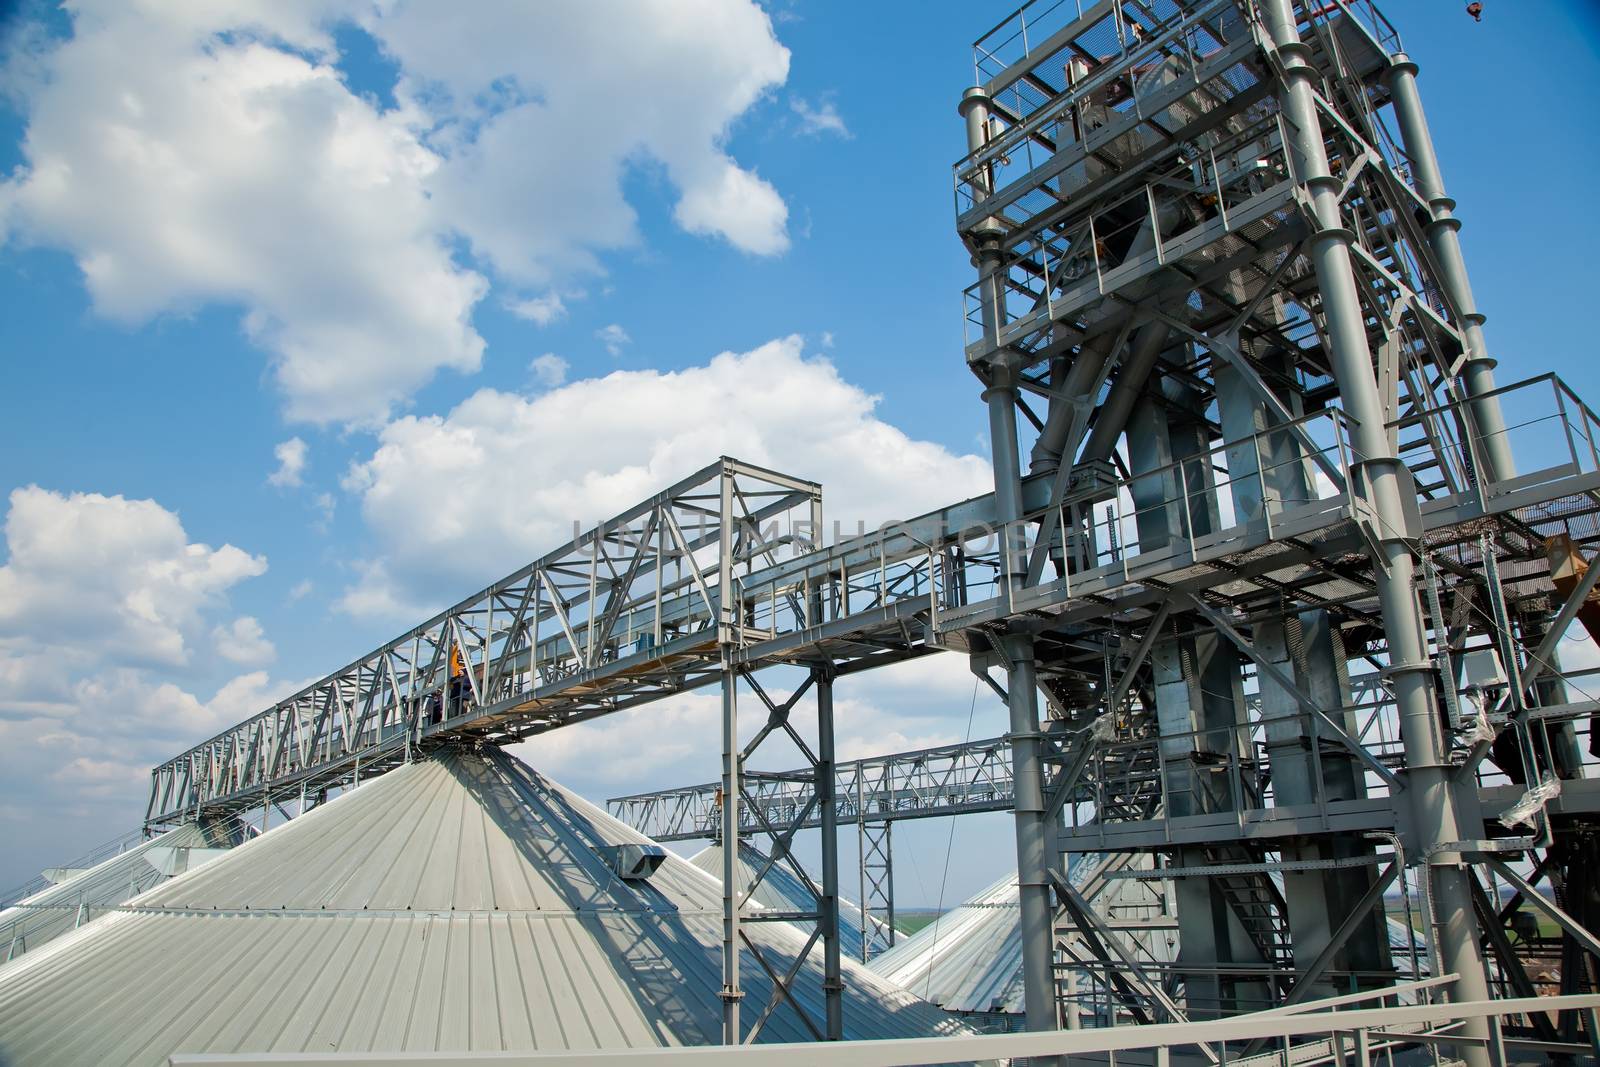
(623,614)
(1213,242)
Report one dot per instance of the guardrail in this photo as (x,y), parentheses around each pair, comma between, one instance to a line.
(1361,1032)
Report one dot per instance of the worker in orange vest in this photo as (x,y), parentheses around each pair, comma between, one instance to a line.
(458,677)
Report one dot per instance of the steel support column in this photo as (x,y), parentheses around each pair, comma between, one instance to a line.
(1033,857)
(1384,484)
(832,983)
(1268,473)
(730,993)
(1442,232)
(1033,885)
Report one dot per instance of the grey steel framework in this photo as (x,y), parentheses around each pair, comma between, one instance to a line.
(922,783)
(1221,299)
(1213,245)
(871,793)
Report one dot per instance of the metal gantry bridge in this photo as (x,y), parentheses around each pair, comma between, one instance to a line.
(956,779)
(1221,301)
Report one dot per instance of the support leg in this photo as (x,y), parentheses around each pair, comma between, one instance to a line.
(1384,482)
(832,983)
(730,993)
(1033,879)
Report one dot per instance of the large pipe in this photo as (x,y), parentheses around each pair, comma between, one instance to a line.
(1070,390)
(1436,820)
(1033,857)
(1146,347)
(1033,888)
(1443,235)
(1126,390)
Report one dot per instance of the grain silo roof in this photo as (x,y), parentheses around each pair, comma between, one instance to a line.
(460,903)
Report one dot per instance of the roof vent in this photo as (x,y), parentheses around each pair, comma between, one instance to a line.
(635,862)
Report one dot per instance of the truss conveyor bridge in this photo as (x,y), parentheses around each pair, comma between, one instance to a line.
(632,610)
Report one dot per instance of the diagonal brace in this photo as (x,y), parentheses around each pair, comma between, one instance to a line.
(1574,929)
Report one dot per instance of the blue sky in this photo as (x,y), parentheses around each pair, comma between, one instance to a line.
(163,260)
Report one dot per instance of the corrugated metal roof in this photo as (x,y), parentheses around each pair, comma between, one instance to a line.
(967,960)
(782,890)
(457,904)
(46,915)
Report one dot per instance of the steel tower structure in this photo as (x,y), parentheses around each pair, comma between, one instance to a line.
(1277,596)
(1234,287)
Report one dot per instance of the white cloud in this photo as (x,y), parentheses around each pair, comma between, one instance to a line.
(291,457)
(539,310)
(108,613)
(514,485)
(543,108)
(613,337)
(738,205)
(819,118)
(377,595)
(115,575)
(243,641)
(549,370)
(185,159)
(211,154)
(300,590)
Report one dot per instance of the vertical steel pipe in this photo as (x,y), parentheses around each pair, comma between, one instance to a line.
(1033,886)
(1384,479)
(832,983)
(1033,856)
(730,993)
(1443,236)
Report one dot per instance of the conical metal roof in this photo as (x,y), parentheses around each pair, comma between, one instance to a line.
(461,903)
(61,908)
(967,960)
(782,890)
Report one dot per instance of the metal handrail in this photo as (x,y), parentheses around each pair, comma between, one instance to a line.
(1362,1028)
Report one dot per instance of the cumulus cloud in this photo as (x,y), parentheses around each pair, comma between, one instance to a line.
(184,157)
(116,575)
(291,457)
(513,486)
(539,310)
(214,154)
(243,641)
(547,128)
(113,624)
